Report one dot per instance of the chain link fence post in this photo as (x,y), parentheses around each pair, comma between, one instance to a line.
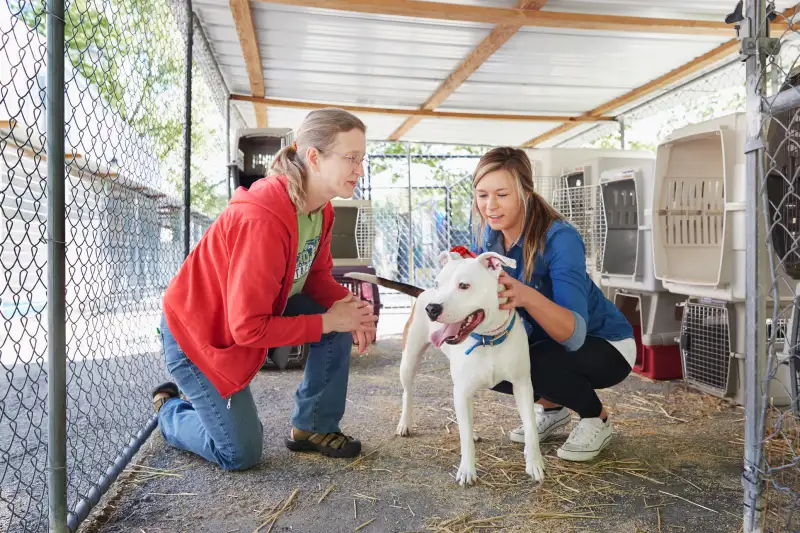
(228,166)
(187,135)
(755,307)
(56,281)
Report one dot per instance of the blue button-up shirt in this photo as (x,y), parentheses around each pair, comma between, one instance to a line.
(560,275)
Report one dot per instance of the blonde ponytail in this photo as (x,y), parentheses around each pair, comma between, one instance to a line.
(319,130)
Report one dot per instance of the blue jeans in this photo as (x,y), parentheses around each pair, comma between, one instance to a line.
(231,435)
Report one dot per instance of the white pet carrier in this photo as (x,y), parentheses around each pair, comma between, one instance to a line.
(712,350)
(580,200)
(627,195)
(353,234)
(556,162)
(699,224)
(656,328)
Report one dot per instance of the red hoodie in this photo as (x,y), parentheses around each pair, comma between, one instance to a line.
(224,306)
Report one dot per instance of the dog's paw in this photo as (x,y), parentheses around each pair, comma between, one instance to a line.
(467,474)
(476,437)
(534,466)
(402,429)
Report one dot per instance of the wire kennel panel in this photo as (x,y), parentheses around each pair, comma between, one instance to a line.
(582,206)
(712,350)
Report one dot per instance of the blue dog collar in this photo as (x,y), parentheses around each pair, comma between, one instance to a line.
(491,340)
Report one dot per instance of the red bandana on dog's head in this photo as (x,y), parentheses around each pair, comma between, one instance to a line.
(462,251)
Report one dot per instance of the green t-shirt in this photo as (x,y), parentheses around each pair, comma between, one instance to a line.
(309,229)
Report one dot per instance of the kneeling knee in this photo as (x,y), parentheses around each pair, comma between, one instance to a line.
(244,456)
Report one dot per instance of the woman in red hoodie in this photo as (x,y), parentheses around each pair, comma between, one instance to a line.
(261,278)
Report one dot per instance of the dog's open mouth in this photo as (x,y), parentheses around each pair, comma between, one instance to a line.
(456,332)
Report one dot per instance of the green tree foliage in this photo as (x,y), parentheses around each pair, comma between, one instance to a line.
(132,53)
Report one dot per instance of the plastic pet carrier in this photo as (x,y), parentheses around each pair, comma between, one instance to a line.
(699,226)
(353,235)
(627,211)
(255,149)
(579,199)
(656,330)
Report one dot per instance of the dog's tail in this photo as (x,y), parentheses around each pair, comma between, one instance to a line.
(405,288)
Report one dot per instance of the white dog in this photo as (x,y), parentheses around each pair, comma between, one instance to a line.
(485,345)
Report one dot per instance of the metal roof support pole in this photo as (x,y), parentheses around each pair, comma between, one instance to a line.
(56,280)
(753,26)
(228,166)
(410,221)
(187,136)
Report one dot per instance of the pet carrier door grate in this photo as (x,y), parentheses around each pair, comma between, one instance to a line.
(582,206)
(706,347)
(353,234)
(622,226)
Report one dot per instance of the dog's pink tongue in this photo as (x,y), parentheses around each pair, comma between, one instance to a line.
(448,331)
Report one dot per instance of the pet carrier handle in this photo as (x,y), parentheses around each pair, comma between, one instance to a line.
(684,341)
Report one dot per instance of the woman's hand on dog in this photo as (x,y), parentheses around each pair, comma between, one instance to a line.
(516,292)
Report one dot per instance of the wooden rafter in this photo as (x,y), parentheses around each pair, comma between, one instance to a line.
(717,54)
(243,17)
(276,102)
(487,47)
(521,17)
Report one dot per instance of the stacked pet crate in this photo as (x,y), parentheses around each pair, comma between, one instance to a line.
(579,199)
(699,249)
(255,149)
(627,269)
(352,242)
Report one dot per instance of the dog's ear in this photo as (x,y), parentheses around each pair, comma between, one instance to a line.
(494,262)
(445,257)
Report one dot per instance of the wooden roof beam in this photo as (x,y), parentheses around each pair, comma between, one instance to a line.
(485,49)
(717,54)
(298,104)
(522,17)
(684,71)
(243,17)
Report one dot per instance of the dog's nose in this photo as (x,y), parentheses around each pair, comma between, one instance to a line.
(434,310)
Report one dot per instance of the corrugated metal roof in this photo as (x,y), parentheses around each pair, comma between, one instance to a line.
(319,55)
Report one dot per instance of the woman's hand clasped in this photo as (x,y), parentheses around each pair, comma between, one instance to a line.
(354,315)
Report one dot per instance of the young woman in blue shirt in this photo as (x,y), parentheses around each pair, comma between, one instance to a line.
(579,341)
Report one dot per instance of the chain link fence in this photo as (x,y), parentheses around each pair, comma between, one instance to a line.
(772,448)
(124,100)
(422,200)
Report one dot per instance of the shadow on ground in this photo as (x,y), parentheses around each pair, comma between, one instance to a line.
(674,466)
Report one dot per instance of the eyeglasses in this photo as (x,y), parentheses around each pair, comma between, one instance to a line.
(353,160)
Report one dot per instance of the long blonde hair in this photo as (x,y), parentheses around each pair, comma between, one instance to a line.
(319,129)
(538,212)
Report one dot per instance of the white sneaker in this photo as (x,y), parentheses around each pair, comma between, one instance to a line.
(587,440)
(547,422)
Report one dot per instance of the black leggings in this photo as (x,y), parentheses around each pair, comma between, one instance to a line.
(570,378)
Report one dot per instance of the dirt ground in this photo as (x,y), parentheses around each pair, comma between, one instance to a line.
(673,466)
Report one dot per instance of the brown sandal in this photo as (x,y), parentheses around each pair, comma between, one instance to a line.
(163,393)
(335,444)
